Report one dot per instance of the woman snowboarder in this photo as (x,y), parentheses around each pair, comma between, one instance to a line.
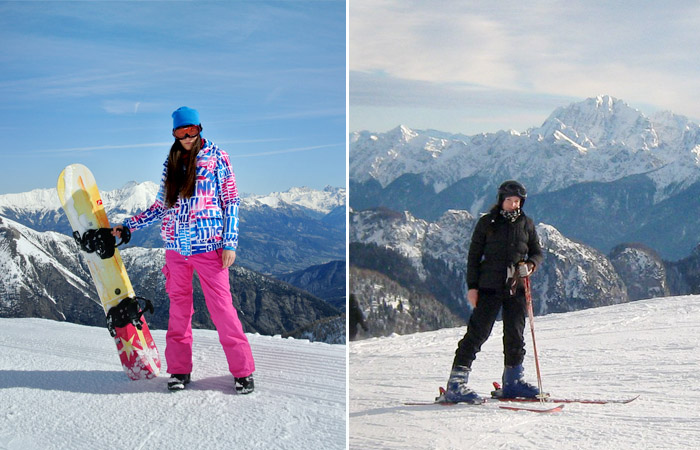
(197,205)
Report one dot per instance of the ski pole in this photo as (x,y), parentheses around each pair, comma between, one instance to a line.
(531,315)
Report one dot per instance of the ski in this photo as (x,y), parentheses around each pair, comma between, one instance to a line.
(620,401)
(551,409)
(440,401)
(549,399)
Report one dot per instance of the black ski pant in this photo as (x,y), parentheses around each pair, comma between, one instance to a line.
(481,323)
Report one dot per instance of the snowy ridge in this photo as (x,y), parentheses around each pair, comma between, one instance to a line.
(273,237)
(446,238)
(600,139)
(573,275)
(642,270)
(618,351)
(37,199)
(43,274)
(135,197)
(322,201)
(51,371)
(397,231)
(23,257)
(391,308)
(414,238)
(132,198)
(601,121)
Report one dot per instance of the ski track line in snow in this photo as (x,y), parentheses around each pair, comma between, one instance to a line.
(306,367)
(318,377)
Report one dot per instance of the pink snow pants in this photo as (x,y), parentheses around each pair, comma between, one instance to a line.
(217,295)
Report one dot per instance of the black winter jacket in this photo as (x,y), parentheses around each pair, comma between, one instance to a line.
(498,243)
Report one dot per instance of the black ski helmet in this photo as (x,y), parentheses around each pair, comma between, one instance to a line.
(511,188)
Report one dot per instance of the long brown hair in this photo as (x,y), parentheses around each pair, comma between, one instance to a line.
(182,172)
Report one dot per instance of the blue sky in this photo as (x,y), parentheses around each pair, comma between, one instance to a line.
(471,67)
(95,83)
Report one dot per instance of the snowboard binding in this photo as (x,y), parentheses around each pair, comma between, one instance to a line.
(101,241)
(128,311)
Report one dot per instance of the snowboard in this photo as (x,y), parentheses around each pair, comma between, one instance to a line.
(81,201)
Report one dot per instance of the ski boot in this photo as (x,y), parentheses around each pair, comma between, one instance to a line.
(457,389)
(245,385)
(515,386)
(177,382)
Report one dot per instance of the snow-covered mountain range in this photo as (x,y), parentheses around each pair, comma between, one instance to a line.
(599,170)
(448,239)
(135,197)
(323,201)
(393,253)
(280,232)
(43,274)
(600,139)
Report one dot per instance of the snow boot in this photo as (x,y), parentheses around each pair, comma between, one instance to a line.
(178,381)
(457,389)
(245,385)
(514,385)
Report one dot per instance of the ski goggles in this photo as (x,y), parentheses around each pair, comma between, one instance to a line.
(513,189)
(189,131)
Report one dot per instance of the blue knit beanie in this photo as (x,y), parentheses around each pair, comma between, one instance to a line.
(184,116)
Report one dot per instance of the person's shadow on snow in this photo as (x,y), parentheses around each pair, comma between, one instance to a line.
(104,382)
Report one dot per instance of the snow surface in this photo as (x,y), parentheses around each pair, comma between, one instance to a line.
(647,348)
(62,387)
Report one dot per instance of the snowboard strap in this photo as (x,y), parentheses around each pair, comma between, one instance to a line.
(128,311)
(101,241)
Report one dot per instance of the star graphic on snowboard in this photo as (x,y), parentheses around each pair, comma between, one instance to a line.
(128,347)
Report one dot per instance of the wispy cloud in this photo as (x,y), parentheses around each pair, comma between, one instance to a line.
(296,114)
(100,148)
(289,150)
(120,107)
(62,86)
(431,44)
(372,89)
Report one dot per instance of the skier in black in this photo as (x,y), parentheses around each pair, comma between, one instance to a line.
(356,317)
(504,249)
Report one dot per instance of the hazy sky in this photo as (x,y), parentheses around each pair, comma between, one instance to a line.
(96,82)
(477,66)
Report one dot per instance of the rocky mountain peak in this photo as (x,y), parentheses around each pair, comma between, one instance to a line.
(601,122)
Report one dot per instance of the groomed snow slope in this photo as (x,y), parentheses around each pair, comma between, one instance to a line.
(62,387)
(647,348)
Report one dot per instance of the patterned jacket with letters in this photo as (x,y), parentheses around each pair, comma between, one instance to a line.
(208,220)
